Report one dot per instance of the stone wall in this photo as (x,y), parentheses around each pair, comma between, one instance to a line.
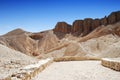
(113,63)
(30,71)
(72,58)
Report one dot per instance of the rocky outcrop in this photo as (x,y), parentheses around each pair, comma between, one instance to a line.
(87,25)
(112,18)
(104,21)
(36,36)
(62,27)
(95,23)
(118,16)
(77,26)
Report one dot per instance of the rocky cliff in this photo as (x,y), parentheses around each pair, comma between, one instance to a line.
(84,27)
(62,27)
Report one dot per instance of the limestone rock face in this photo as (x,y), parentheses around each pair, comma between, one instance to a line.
(112,18)
(118,16)
(77,26)
(87,26)
(104,21)
(84,27)
(62,27)
(95,23)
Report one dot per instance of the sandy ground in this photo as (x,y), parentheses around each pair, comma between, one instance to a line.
(77,70)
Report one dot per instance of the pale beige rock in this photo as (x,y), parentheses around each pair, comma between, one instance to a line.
(113,63)
(32,44)
(11,61)
(30,71)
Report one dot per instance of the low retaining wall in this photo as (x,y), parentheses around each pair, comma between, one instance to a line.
(113,63)
(27,72)
(30,71)
(72,58)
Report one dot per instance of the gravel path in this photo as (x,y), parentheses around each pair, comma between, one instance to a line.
(77,70)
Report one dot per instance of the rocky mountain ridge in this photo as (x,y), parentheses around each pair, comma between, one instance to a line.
(84,27)
(56,42)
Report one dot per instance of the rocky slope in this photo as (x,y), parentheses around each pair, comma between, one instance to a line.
(11,61)
(29,43)
(84,27)
(102,42)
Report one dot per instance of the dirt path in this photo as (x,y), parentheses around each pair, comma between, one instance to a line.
(78,70)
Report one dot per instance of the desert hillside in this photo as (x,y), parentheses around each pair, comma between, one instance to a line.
(25,54)
(59,39)
(102,42)
(88,37)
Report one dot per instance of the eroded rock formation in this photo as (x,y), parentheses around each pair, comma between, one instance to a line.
(87,25)
(43,42)
(62,27)
(77,26)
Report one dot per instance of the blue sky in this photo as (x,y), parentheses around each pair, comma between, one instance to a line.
(39,15)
